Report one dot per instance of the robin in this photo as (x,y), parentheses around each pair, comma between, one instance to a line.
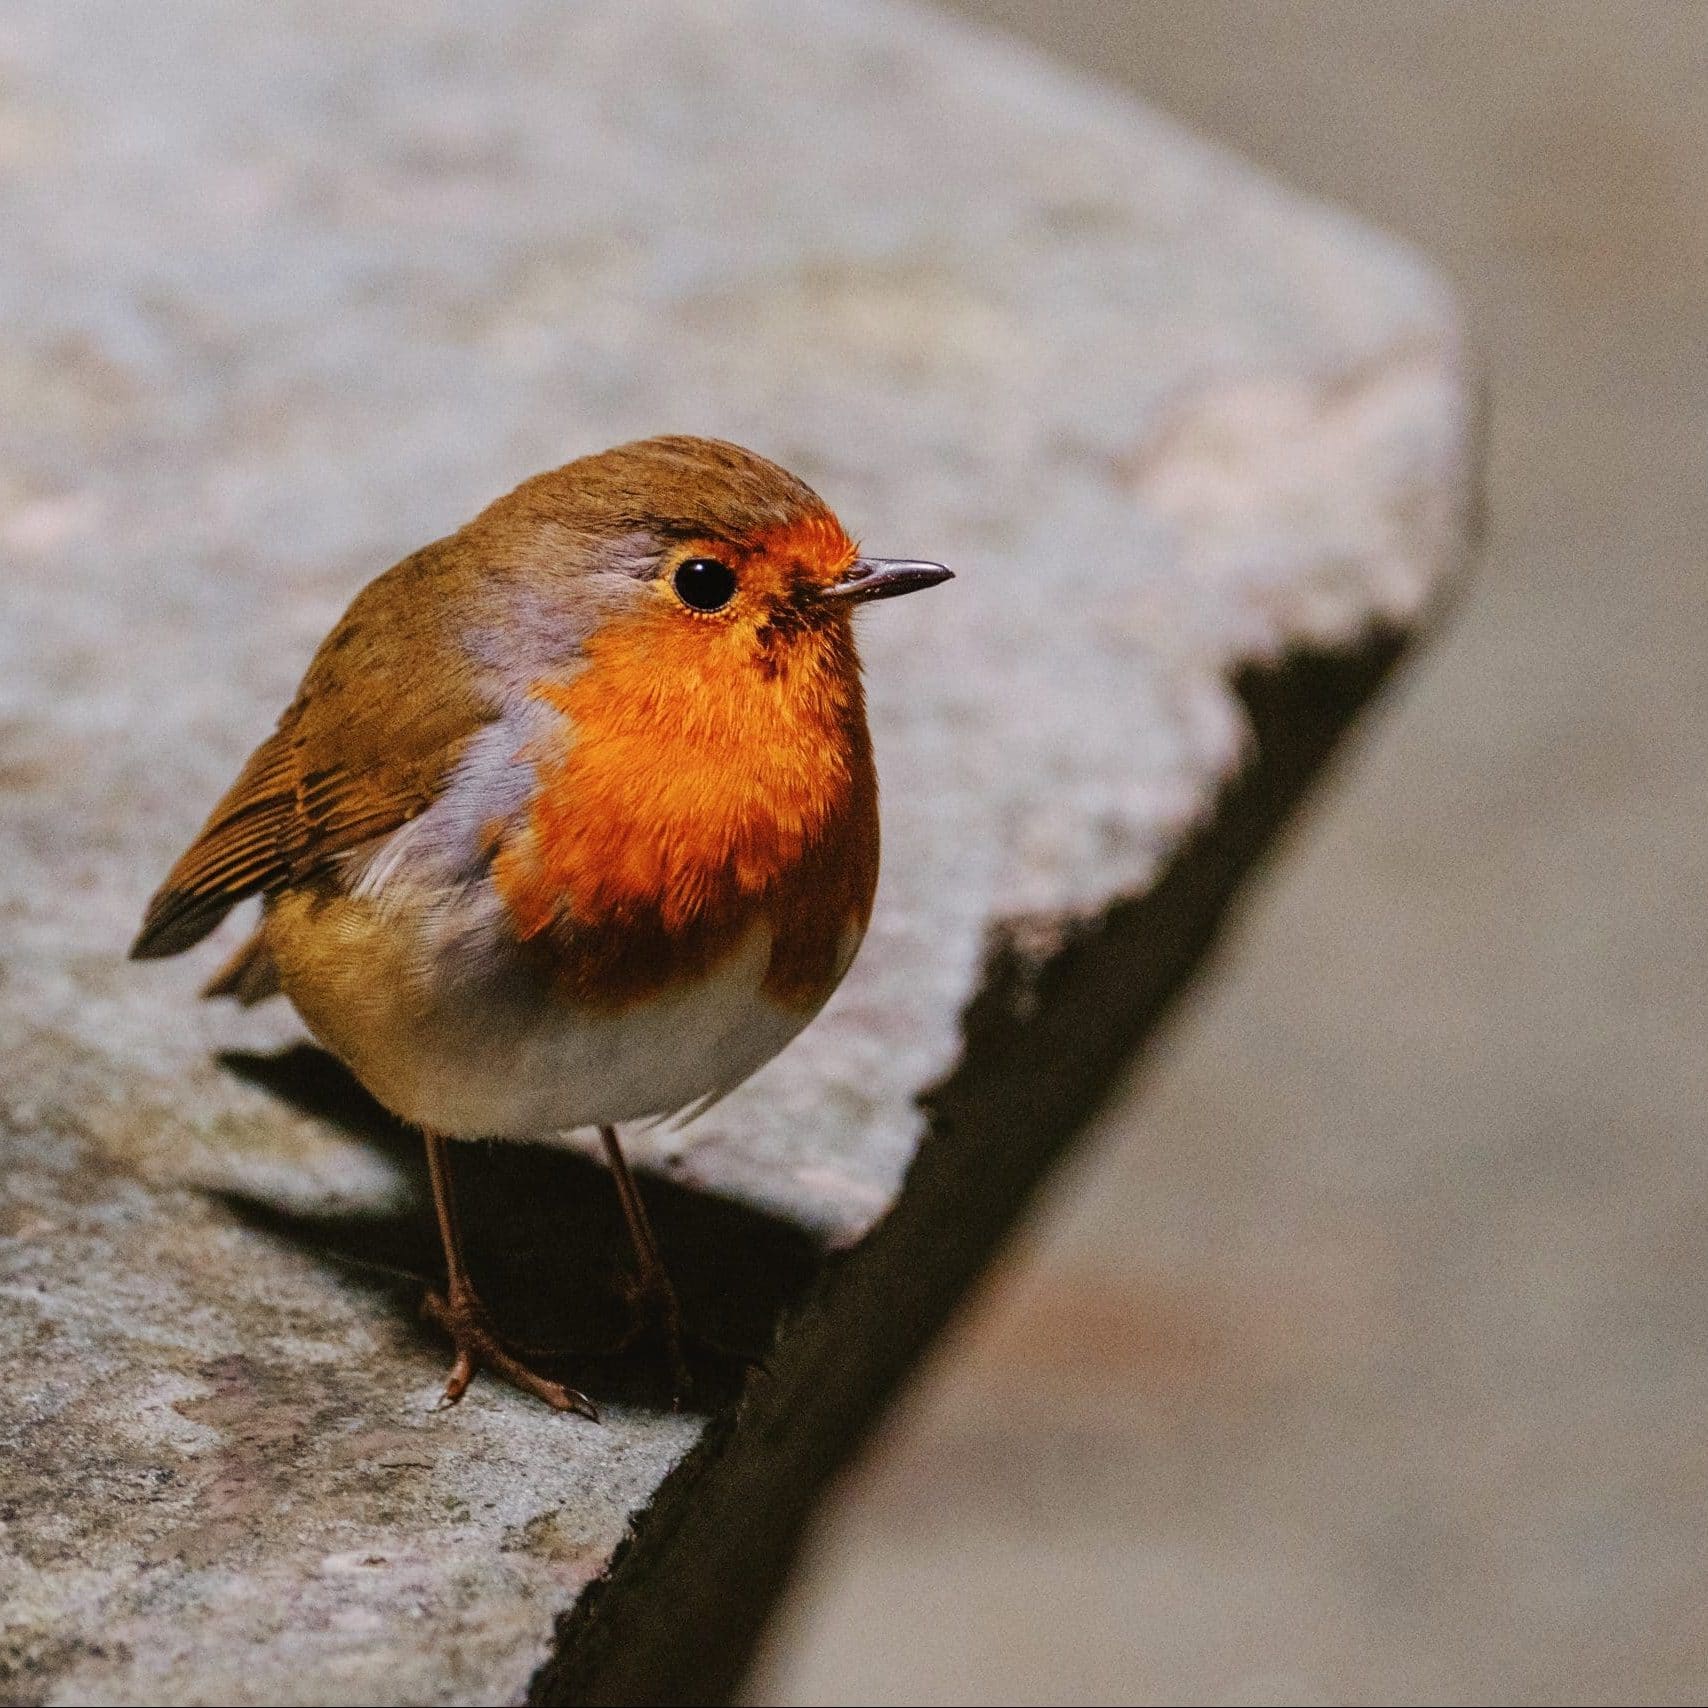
(573,822)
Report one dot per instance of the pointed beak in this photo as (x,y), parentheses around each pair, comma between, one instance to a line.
(871,578)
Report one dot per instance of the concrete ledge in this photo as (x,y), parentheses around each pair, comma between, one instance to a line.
(293,293)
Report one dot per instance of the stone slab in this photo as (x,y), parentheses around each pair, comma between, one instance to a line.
(289,292)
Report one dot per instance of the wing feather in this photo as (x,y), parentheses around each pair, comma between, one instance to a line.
(368,743)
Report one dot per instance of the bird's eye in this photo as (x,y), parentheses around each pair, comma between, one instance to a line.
(704,584)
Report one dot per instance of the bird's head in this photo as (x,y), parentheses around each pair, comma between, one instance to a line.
(697,549)
(685,605)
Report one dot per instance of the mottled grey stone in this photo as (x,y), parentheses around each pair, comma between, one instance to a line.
(289,291)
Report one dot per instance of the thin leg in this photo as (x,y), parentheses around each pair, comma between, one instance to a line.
(459,1312)
(445,1208)
(653,1289)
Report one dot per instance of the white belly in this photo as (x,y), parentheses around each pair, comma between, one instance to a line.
(456,1040)
(534,1073)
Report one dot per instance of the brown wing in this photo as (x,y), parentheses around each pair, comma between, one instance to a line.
(370,740)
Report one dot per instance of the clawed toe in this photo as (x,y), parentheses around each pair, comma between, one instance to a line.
(656,1314)
(479,1346)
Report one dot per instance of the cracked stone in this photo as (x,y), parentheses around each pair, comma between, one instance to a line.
(286,296)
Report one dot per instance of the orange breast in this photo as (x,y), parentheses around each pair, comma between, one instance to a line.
(706,785)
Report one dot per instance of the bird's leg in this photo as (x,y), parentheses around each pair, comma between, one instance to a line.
(652,1295)
(459,1312)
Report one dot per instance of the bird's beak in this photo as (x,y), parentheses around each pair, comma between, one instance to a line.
(885,578)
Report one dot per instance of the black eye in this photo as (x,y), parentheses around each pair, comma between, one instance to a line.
(705,584)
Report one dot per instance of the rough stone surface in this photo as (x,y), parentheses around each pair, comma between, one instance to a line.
(287,293)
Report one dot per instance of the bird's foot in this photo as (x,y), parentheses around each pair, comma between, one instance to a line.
(459,1312)
(655,1315)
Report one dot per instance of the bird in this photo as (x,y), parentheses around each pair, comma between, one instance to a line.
(571,824)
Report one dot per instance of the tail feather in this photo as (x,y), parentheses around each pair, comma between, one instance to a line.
(249,977)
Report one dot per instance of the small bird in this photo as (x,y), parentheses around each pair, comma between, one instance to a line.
(573,822)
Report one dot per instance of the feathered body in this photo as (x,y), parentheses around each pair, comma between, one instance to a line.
(541,845)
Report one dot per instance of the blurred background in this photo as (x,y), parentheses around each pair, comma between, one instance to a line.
(1362,1354)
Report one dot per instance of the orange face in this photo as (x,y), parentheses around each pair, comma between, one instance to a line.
(716,774)
(780,571)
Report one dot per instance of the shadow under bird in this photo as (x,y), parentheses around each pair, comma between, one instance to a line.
(572,822)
